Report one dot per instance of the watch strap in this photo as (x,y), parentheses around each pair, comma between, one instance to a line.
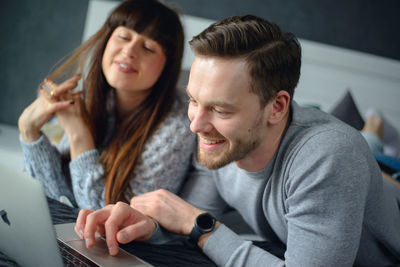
(199,229)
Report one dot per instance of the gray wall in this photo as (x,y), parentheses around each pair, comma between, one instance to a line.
(366,25)
(35,34)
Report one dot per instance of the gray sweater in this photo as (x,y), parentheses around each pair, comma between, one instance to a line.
(163,163)
(322,195)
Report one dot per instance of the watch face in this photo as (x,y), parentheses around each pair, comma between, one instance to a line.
(205,221)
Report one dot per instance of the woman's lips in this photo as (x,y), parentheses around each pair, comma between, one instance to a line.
(124,67)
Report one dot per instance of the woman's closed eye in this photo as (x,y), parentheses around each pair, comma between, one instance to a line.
(123,37)
(147,48)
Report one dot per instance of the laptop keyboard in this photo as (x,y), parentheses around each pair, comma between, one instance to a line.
(72,257)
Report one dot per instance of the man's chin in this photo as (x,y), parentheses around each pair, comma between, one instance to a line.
(212,163)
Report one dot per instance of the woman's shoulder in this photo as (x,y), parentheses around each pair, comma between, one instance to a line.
(176,124)
(178,112)
(174,130)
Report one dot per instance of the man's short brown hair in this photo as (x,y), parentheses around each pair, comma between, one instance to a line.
(272,56)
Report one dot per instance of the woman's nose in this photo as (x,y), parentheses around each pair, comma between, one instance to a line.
(132,49)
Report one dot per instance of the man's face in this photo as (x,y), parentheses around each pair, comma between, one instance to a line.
(223,111)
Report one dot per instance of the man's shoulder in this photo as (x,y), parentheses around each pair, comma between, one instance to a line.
(311,123)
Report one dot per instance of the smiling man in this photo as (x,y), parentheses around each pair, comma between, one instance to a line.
(231,122)
(296,175)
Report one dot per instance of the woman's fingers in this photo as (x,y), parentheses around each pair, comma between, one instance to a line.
(139,231)
(121,215)
(55,91)
(53,98)
(93,221)
(81,222)
(119,223)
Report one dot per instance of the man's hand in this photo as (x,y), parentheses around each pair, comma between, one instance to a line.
(118,223)
(170,211)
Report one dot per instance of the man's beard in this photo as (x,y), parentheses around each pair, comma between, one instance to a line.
(215,160)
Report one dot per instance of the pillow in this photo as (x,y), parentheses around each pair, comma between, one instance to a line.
(347,111)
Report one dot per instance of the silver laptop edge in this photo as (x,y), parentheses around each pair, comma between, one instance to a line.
(27,233)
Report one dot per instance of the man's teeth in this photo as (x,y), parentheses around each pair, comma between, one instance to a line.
(124,66)
(210,142)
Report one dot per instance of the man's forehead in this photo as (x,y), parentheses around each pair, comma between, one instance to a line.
(219,72)
(215,61)
(219,82)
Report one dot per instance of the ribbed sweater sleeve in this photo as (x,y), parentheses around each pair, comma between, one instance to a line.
(44,162)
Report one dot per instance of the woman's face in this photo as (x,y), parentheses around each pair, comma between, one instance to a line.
(132,62)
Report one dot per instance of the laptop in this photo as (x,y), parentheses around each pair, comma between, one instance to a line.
(29,238)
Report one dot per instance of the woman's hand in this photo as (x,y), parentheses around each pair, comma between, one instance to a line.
(74,120)
(118,223)
(43,108)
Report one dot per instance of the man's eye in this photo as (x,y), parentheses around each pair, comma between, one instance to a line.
(191,100)
(220,112)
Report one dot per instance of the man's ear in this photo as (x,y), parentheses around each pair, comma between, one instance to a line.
(279,107)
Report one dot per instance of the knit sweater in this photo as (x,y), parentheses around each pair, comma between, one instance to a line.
(163,163)
(322,196)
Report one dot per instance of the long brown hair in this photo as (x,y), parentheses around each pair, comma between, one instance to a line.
(121,154)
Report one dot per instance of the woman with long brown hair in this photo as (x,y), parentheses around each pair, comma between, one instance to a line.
(126,130)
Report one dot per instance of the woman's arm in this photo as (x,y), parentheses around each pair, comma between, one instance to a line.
(44,162)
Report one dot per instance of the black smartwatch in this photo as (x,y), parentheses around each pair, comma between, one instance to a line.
(203,224)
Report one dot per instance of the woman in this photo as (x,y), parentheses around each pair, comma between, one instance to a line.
(126,132)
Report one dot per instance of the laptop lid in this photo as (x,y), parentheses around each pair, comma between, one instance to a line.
(28,235)
(26,230)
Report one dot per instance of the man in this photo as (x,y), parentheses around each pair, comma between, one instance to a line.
(295,174)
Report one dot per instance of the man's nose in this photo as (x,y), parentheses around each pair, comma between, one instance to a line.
(200,121)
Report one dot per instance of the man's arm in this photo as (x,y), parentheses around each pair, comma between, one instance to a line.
(199,195)
(200,190)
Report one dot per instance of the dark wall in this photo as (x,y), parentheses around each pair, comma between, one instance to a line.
(366,25)
(34,36)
